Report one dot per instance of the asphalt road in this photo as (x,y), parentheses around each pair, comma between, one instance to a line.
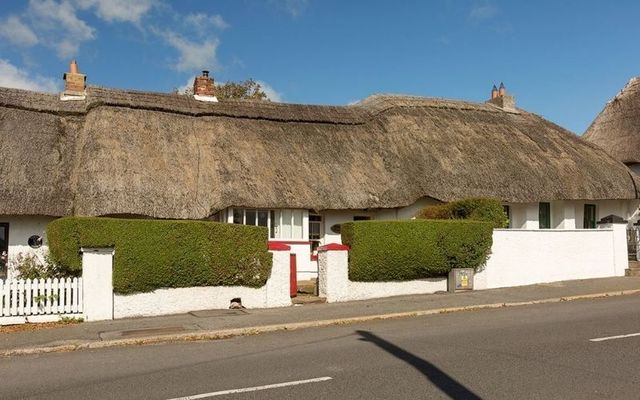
(529,352)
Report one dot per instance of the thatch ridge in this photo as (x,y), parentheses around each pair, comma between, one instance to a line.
(169,156)
(616,129)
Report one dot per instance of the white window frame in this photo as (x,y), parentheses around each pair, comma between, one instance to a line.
(275,235)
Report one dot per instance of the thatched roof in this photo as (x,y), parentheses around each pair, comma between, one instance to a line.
(617,127)
(169,156)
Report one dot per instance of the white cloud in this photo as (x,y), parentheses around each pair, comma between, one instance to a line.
(187,86)
(118,10)
(59,26)
(12,77)
(483,12)
(17,32)
(293,7)
(192,55)
(271,93)
(201,22)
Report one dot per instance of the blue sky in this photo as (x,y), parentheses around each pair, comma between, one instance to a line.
(561,59)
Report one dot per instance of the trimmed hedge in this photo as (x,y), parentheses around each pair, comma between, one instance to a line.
(153,254)
(476,209)
(417,249)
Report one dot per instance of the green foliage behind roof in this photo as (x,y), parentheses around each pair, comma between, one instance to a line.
(476,209)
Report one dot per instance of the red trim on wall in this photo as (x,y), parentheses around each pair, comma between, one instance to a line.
(290,241)
(334,247)
(275,246)
(314,257)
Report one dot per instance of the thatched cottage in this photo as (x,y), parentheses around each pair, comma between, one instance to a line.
(617,128)
(300,170)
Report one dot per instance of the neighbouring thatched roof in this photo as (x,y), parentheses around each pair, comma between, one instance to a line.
(169,156)
(617,127)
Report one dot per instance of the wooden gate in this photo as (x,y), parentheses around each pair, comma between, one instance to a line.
(293,276)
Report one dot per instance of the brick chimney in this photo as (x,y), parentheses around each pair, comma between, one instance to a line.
(500,98)
(75,84)
(203,88)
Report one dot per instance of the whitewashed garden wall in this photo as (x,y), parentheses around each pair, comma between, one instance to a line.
(518,257)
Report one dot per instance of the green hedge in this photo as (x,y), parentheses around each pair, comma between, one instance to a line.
(477,209)
(152,254)
(406,250)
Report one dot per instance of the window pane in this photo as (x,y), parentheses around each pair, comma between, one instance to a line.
(545,215)
(589,221)
(237,215)
(285,228)
(262,218)
(297,224)
(250,216)
(275,218)
(314,230)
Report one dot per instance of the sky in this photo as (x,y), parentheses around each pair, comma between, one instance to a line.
(560,59)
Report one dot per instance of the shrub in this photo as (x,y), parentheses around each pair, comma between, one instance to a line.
(152,254)
(407,250)
(476,209)
(29,266)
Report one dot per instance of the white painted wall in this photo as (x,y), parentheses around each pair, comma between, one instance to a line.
(335,286)
(306,269)
(569,214)
(180,300)
(525,257)
(518,257)
(20,229)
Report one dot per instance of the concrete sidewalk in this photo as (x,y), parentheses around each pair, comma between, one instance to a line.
(215,324)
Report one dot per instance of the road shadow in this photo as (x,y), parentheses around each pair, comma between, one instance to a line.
(439,378)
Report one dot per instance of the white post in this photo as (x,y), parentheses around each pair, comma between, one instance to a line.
(97,284)
(278,283)
(620,252)
(333,272)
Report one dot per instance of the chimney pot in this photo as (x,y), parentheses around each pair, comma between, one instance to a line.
(494,92)
(205,73)
(73,67)
(503,90)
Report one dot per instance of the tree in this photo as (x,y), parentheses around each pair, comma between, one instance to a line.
(248,89)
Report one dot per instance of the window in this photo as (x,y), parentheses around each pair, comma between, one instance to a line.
(282,224)
(361,218)
(4,249)
(315,227)
(315,231)
(544,215)
(589,221)
(507,212)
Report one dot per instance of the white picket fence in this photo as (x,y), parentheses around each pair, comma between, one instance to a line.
(26,297)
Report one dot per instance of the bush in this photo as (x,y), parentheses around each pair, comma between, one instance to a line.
(153,254)
(476,209)
(407,250)
(29,266)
